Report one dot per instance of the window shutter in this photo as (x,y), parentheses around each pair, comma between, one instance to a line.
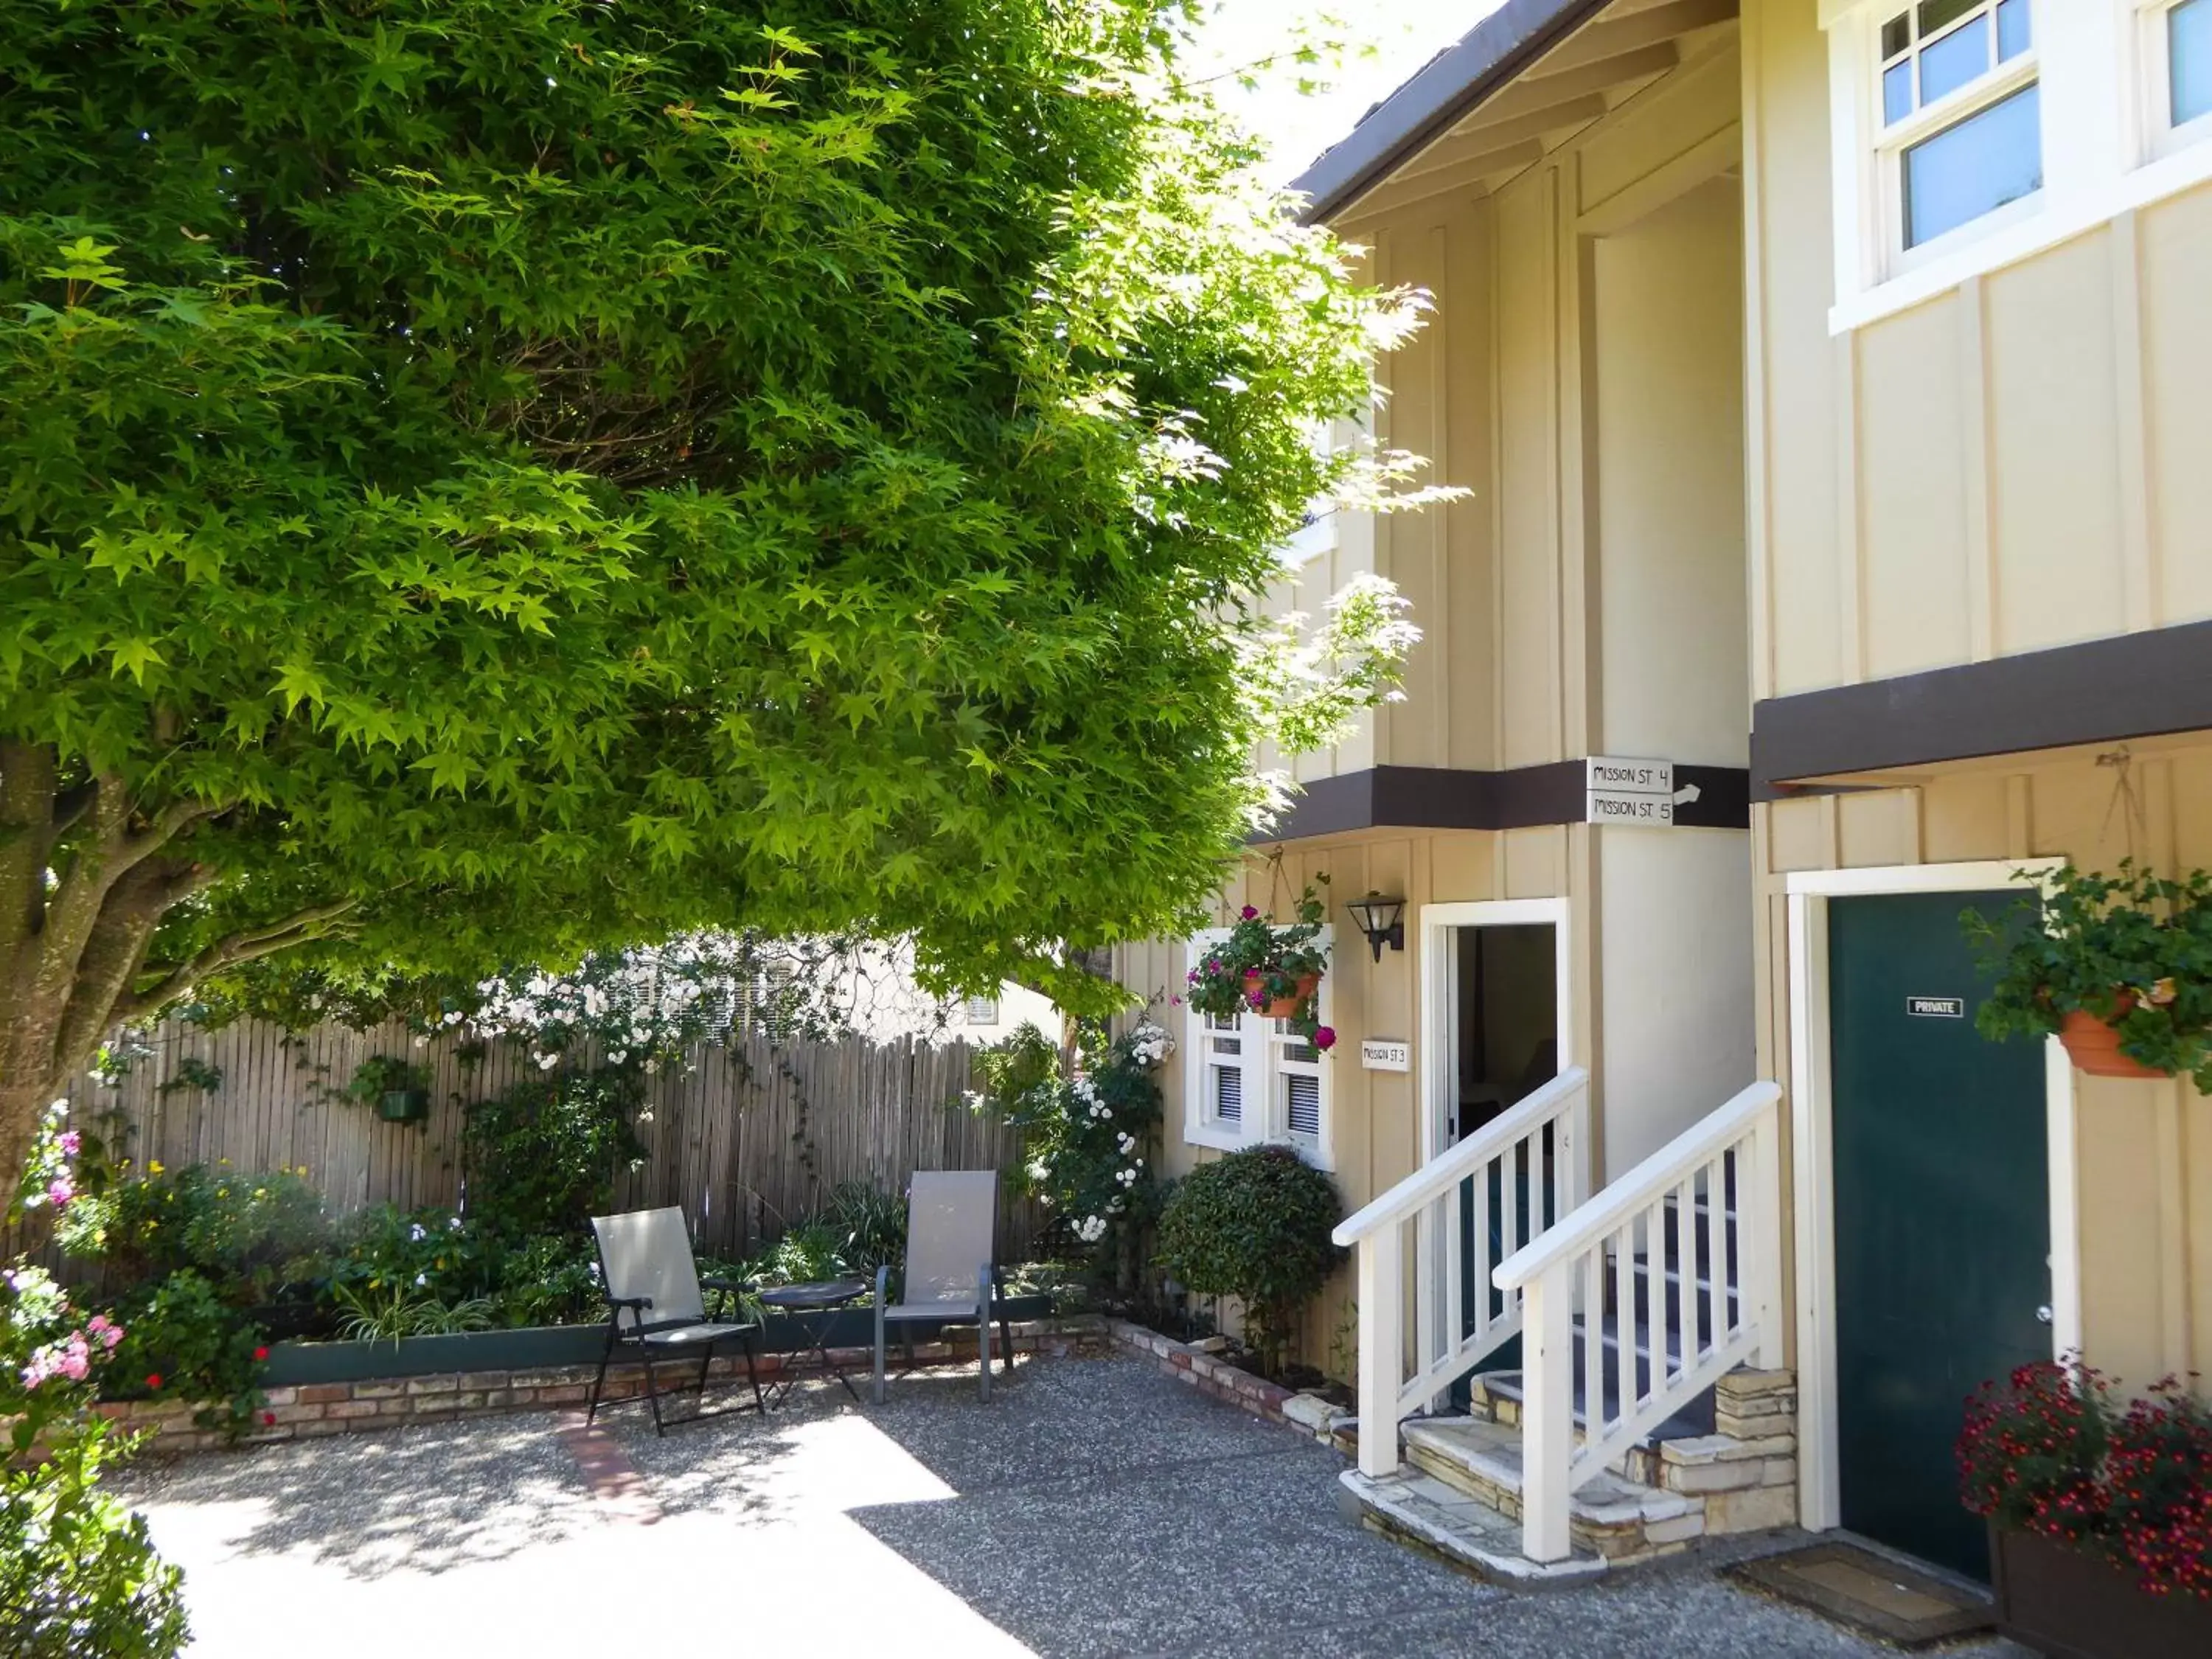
(1225,1065)
(1224,1094)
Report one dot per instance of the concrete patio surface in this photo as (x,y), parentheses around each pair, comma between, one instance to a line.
(1093,1507)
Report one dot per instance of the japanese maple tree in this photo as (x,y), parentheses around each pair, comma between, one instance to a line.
(482,480)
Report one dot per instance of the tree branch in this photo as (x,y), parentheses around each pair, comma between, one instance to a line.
(249,945)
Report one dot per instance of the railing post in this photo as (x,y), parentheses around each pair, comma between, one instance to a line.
(1547,1426)
(1759,1241)
(1381,1328)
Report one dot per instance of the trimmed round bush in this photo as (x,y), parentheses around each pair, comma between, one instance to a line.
(1254,1225)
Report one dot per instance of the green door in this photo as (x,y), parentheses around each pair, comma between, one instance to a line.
(1942,1212)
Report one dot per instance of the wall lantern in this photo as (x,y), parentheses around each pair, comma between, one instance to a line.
(1382,920)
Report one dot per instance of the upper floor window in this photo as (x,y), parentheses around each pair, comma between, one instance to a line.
(1961,117)
(2188,61)
(2175,44)
(1970,134)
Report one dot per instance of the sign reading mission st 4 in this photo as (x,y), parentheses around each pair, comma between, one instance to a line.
(1634,791)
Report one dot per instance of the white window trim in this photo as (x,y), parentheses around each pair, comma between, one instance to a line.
(1265,1119)
(2103,154)
(1812,1156)
(2146,48)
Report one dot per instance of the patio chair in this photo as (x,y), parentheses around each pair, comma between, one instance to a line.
(654,1307)
(952,1273)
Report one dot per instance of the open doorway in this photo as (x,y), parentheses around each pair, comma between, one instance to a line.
(1505,1020)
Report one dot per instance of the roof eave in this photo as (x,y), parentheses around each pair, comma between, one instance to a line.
(1488,57)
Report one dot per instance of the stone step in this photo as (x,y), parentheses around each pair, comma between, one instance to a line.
(1609,1517)
(1420,1511)
(1501,1396)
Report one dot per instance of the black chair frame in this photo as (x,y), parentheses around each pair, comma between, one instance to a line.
(618,1338)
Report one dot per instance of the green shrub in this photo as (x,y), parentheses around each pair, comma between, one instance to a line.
(78,1575)
(182,1341)
(542,1157)
(1254,1225)
(249,1236)
(1088,1140)
(444,1257)
(871,1225)
(550,1280)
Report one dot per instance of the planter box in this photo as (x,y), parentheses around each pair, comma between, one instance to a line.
(543,1347)
(2069,1604)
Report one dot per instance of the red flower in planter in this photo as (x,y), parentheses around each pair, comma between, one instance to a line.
(267,1418)
(1325,1037)
(1249,913)
(260,1354)
(153,1379)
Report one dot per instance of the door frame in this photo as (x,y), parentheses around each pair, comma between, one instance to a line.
(1439,1085)
(1812,1159)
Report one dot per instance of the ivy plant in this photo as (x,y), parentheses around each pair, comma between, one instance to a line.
(2134,948)
(482,481)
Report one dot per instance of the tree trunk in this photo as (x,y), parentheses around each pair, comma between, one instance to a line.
(87,873)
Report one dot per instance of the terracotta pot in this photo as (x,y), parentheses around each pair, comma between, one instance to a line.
(2093,1044)
(1285,1007)
(2070,1604)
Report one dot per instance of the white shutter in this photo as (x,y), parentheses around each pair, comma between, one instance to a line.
(1223,1095)
(1298,1081)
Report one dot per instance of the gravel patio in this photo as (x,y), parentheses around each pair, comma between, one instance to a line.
(1094,1507)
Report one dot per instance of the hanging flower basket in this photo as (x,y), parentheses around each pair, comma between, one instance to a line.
(2093,1044)
(1282,1007)
(2113,965)
(1268,968)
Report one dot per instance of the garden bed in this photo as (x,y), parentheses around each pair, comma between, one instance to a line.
(535,1347)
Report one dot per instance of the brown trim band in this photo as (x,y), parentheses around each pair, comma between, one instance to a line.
(1442,798)
(2134,685)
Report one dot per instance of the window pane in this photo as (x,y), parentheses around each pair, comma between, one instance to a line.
(1304,1105)
(1229,1095)
(2012,29)
(1954,60)
(1935,15)
(2188,34)
(1973,166)
(1896,35)
(1896,91)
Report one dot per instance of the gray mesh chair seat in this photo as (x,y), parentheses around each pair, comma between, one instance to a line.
(656,1308)
(952,1271)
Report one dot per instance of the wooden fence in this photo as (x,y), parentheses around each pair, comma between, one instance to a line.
(745,1139)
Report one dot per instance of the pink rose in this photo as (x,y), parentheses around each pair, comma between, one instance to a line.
(1325,1037)
(70,1142)
(60,1191)
(1258,999)
(1249,913)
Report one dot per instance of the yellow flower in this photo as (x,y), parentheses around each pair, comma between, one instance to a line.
(154,1166)
(224,1161)
(301,1172)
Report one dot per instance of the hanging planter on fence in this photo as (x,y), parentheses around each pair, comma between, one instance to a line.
(404,1105)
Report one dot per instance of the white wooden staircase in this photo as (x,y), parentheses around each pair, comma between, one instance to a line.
(1647,1408)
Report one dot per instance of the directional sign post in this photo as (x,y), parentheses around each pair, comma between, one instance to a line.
(1634,791)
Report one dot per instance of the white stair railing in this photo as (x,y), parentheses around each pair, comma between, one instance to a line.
(1683,1252)
(1530,1164)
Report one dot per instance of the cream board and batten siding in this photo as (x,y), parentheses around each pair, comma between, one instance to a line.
(2013,464)
(1514,586)
(1374,1119)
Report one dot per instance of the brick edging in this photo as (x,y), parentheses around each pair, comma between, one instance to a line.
(302,1410)
(1307,1414)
